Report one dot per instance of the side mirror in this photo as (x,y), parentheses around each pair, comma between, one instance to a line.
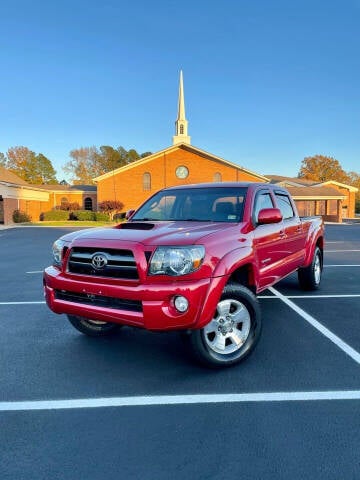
(269,215)
(129,214)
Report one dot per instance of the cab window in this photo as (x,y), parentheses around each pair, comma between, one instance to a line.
(262,200)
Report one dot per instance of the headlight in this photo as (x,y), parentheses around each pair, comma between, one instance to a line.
(176,260)
(57,250)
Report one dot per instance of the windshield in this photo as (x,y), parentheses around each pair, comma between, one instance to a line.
(220,204)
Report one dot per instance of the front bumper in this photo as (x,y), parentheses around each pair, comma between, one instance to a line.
(154,302)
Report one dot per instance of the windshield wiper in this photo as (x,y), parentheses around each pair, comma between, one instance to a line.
(197,220)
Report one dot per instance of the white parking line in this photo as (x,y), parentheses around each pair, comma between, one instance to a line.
(355,295)
(36,271)
(157,400)
(341,251)
(22,303)
(266,297)
(335,266)
(325,331)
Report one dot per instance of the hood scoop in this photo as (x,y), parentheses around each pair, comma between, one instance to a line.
(136,226)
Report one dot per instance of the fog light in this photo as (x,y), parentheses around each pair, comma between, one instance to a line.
(181,304)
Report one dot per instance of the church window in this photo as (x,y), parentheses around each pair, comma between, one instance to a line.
(217,177)
(146,181)
(88,203)
(181,129)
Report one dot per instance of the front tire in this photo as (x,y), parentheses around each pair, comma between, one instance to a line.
(93,328)
(233,332)
(310,277)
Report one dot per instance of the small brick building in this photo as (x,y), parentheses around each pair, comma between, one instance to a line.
(16,194)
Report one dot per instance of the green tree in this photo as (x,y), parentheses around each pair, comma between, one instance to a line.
(321,168)
(43,172)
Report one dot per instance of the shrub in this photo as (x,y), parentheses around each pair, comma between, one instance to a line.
(357,206)
(20,217)
(111,207)
(83,216)
(55,215)
(102,217)
(69,206)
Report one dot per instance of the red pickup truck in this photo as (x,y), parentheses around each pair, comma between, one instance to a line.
(191,258)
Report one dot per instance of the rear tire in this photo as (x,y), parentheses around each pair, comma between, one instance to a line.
(310,277)
(233,332)
(93,328)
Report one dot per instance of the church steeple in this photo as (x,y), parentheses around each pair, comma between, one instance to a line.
(181,124)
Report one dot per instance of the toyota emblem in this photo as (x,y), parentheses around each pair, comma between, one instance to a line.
(99,261)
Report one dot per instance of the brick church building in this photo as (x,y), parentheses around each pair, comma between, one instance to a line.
(183,163)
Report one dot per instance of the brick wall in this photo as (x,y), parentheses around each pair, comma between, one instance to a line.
(10,204)
(32,208)
(349,200)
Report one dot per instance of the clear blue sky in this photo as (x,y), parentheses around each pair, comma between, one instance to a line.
(267,82)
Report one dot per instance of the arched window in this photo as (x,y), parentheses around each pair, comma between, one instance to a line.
(88,203)
(181,129)
(217,177)
(146,181)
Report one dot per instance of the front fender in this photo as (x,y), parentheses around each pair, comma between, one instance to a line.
(221,276)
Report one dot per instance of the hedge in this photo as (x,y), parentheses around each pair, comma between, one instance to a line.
(78,215)
(102,217)
(83,216)
(56,215)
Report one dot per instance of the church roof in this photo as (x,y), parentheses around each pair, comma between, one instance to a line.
(68,188)
(315,193)
(291,180)
(190,148)
(9,177)
(303,182)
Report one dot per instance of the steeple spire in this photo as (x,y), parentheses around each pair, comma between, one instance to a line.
(181,124)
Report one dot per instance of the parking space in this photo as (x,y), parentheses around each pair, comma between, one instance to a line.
(44,359)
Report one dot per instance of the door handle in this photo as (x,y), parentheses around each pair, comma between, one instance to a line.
(282,234)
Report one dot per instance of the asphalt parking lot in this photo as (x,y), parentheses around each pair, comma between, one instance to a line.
(136,406)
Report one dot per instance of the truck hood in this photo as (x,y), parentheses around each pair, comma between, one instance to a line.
(154,233)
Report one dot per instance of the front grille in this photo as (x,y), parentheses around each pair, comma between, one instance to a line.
(99,300)
(120,263)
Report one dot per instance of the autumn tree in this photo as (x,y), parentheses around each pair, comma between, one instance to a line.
(89,162)
(82,166)
(321,168)
(34,169)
